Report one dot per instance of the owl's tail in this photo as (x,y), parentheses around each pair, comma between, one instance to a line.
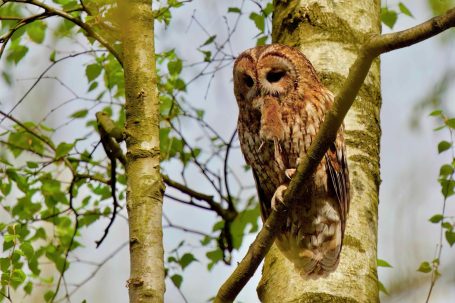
(313,246)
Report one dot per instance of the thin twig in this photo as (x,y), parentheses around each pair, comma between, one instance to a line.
(42,75)
(88,29)
(99,266)
(76,227)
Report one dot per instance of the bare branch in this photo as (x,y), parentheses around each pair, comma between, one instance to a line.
(109,131)
(183,228)
(215,206)
(29,130)
(326,135)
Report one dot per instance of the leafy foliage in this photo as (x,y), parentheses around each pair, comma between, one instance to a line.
(390,16)
(55,191)
(446,180)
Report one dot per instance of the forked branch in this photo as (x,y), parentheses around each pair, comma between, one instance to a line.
(372,48)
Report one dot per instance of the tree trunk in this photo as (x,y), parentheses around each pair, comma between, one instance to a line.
(144,186)
(329,34)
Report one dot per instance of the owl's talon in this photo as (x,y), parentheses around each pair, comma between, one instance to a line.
(290,172)
(260,147)
(278,196)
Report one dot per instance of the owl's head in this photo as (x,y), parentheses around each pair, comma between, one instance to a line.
(274,70)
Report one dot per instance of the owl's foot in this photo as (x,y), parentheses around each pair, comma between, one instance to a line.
(290,172)
(260,146)
(278,196)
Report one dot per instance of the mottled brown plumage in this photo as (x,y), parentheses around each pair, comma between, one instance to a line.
(282,104)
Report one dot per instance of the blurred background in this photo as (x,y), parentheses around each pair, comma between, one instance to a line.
(415,81)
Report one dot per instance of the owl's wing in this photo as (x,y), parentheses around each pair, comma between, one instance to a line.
(264,203)
(339,175)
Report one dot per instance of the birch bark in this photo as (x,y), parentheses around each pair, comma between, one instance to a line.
(144,186)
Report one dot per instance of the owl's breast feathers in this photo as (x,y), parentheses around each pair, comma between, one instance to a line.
(312,236)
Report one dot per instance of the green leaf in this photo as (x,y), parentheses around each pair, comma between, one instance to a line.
(218,226)
(445,225)
(177,280)
(9,238)
(209,40)
(180,85)
(92,71)
(52,56)
(388,17)
(200,113)
(447,187)
(450,237)
(268,9)
(63,149)
(206,241)
(439,128)
(383,263)
(248,217)
(262,40)
(186,260)
(17,278)
(92,86)
(175,67)
(7,77)
(382,288)
(425,267)
(16,53)
(214,256)
(79,114)
(404,9)
(450,123)
(172,259)
(435,113)
(28,288)
(31,164)
(27,249)
(48,296)
(258,20)
(440,6)
(24,140)
(443,146)
(34,266)
(436,218)
(446,170)
(207,55)
(234,10)
(36,31)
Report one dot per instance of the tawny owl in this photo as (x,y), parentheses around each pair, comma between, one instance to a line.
(282,104)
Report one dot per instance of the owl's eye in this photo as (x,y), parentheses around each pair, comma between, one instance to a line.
(275,75)
(248,81)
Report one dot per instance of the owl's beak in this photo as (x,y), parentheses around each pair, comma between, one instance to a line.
(258,103)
